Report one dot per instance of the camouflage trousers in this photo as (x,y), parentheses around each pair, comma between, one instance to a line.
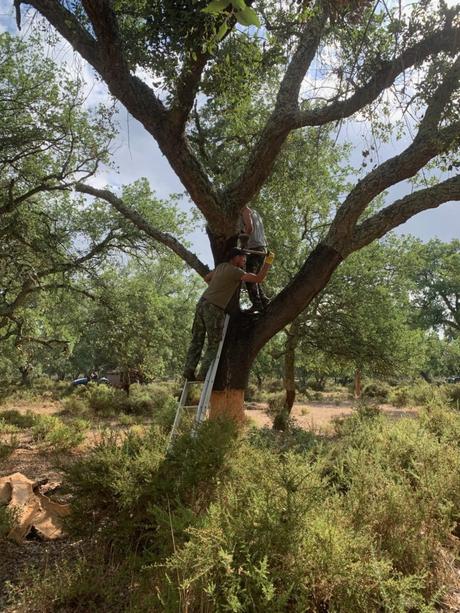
(256,294)
(208,321)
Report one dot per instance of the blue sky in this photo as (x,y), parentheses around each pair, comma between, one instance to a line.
(136,155)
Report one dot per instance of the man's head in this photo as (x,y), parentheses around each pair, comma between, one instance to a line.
(237,257)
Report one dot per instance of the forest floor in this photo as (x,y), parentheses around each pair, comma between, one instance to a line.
(37,464)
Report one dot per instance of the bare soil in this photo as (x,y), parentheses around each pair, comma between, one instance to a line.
(319,416)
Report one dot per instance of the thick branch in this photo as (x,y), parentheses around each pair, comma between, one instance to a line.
(260,163)
(139,99)
(424,148)
(403,209)
(295,297)
(140,222)
(447,40)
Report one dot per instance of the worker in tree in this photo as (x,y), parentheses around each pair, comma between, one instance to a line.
(210,310)
(252,237)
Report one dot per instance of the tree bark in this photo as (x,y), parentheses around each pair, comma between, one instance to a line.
(281,420)
(357,383)
(248,332)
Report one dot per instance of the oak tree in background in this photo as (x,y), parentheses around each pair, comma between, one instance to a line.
(55,245)
(437,293)
(173,66)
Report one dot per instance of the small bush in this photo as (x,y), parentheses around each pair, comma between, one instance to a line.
(7,520)
(275,402)
(17,419)
(293,439)
(147,399)
(75,405)
(452,393)
(252,393)
(106,400)
(378,390)
(6,428)
(52,433)
(8,444)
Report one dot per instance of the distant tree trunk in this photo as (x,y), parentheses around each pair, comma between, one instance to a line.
(25,374)
(281,420)
(357,385)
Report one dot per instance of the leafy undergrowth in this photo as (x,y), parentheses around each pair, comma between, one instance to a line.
(261,521)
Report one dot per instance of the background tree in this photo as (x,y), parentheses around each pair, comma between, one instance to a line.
(368,56)
(55,245)
(138,323)
(437,294)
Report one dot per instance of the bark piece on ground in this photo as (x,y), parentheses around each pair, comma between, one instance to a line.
(31,509)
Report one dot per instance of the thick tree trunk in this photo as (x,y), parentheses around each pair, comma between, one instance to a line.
(248,333)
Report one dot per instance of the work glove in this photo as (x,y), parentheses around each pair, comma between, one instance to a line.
(269,257)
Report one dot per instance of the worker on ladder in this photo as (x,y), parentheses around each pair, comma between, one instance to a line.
(210,310)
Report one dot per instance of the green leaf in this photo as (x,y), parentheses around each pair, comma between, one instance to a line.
(248,17)
(221,32)
(215,7)
(238,5)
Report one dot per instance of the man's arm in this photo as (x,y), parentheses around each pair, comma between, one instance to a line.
(249,277)
(247,220)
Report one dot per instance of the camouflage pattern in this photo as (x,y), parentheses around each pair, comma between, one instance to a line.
(256,294)
(208,321)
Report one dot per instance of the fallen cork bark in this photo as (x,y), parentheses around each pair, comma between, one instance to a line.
(31,509)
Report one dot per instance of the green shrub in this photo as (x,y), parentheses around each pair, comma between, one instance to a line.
(293,439)
(17,419)
(400,397)
(7,520)
(6,428)
(268,521)
(147,399)
(85,583)
(252,393)
(75,405)
(275,401)
(377,389)
(452,393)
(8,443)
(127,483)
(52,433)
(418,394)
(106,400)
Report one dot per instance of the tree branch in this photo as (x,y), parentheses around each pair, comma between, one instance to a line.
(447,40)
(138,98)
(403,209)
(140,222)
(260,163)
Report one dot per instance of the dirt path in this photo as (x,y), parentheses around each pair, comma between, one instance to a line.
(318,416)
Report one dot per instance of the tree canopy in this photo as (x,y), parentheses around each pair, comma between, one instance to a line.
(223,96)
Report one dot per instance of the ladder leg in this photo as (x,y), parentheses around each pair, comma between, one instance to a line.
(179,411)
(209,381)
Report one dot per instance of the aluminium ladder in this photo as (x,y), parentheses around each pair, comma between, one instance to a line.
(205,397)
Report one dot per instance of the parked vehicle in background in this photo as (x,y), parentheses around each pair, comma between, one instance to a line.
(453,379)
(86,380)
